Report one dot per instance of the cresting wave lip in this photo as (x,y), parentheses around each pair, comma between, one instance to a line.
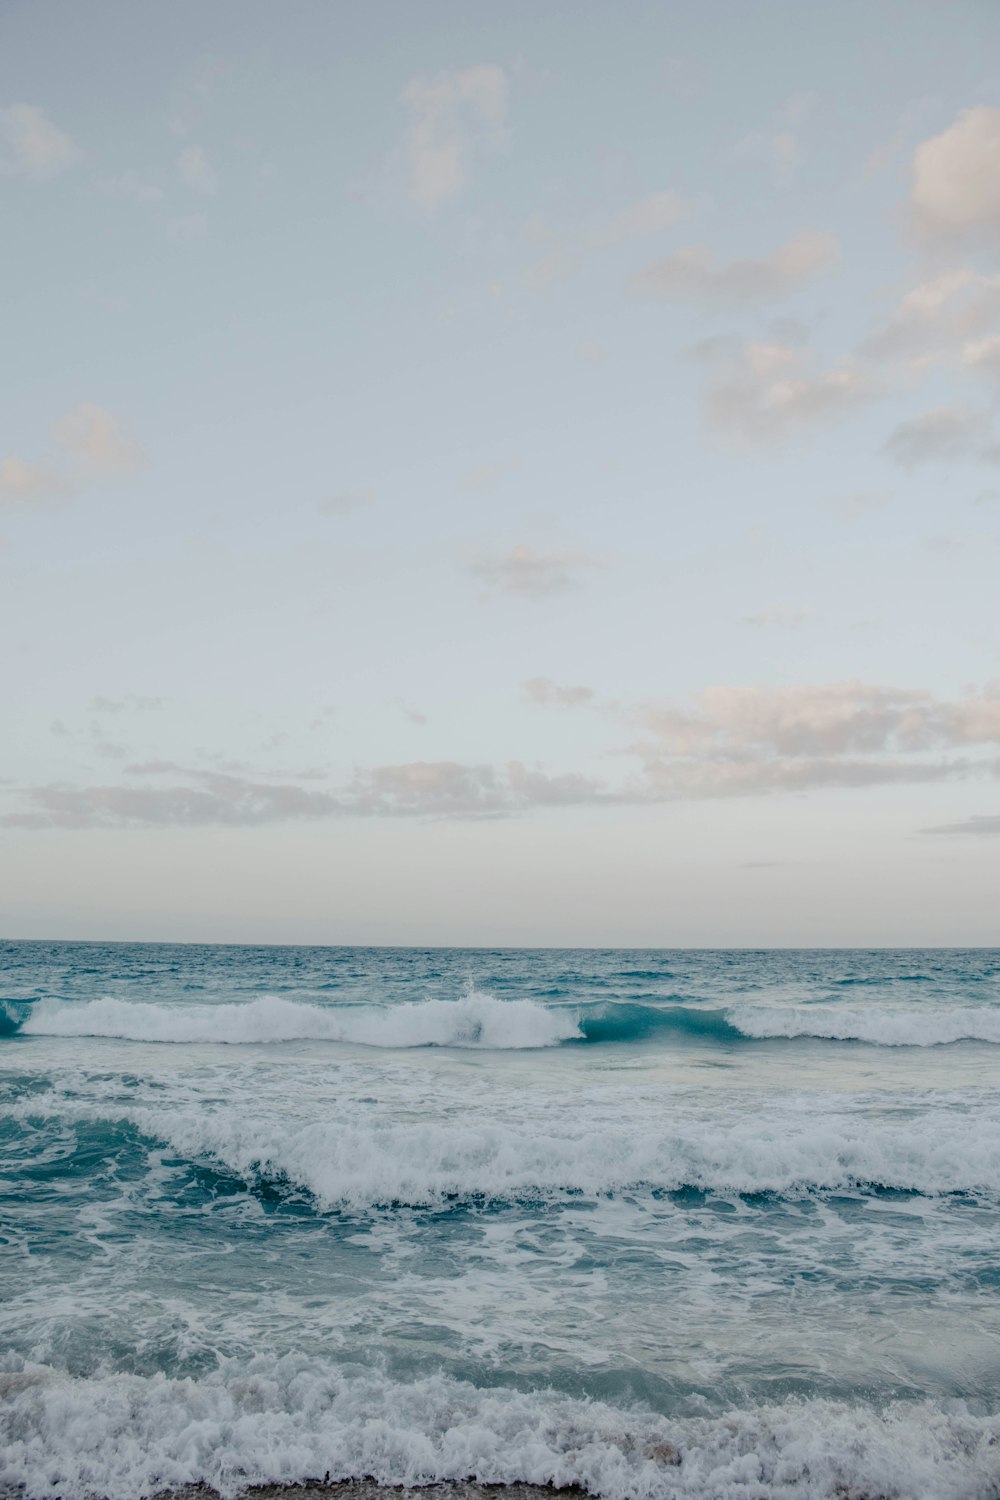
(475,1020)
(269,1420)
(481,1021)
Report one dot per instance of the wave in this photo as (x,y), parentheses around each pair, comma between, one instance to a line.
(883,1028)
(475,1020)
(273,1420)
(480,1020)
(359,1160)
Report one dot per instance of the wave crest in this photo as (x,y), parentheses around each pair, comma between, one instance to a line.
(476,1020)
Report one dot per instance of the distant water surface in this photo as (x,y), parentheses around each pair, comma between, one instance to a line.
(663,1224)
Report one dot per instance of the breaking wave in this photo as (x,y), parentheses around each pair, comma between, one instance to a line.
(356,1162)
(272,1420)
(476,1020)
(883,1028)
(480,1020)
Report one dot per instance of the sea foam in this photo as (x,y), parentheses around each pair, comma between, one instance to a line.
(883,1027)
(357,1160)
(283,1420)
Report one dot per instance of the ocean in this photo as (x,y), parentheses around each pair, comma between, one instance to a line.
(657,1224)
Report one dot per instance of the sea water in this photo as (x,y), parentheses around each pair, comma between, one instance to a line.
(701,1224)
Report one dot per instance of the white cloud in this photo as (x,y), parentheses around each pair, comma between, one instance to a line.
(31,146)
(548,694)
(452,115)
(693,274)
(24,483)
(942,434)
(769,392)
(530,574)
(196,171)
(956,179)
(92,439)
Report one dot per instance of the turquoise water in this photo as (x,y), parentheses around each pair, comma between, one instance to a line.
(273,1212)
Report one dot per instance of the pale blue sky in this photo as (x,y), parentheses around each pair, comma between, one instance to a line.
(501,473)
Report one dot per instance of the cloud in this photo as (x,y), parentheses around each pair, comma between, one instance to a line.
(732,741)
(933,319)
(344,501)
(213,799)
(451,116)
(130,185)
(982,825)
(777,614)
(530,574)
(132,702)
(942,434)
(779,147)
(485,477)
(91,438)
(693,274)
(769,392)
(196,171)
(591,353)
(742,740)
(31,146)
(955,193)
(983,356)
(651,215)
(441,788)
(29,484)
(548,694)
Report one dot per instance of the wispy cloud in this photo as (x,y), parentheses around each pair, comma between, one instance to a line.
(545,693)
(776,615)
(452,116)
(92,439)
(732,741)
(943,434)
(982,825)
(31,146)
(694,275)
(779,145)
(24,483)
(762,392)
(528,573)
(344,501)
(196,171)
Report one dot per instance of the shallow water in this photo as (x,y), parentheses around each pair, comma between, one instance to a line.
(520,1215)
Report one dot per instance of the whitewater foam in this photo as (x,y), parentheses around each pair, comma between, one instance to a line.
(475,1020)
(285,1420)
(357,1161)
(883,1027)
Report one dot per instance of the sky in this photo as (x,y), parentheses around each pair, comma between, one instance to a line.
(501,474)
